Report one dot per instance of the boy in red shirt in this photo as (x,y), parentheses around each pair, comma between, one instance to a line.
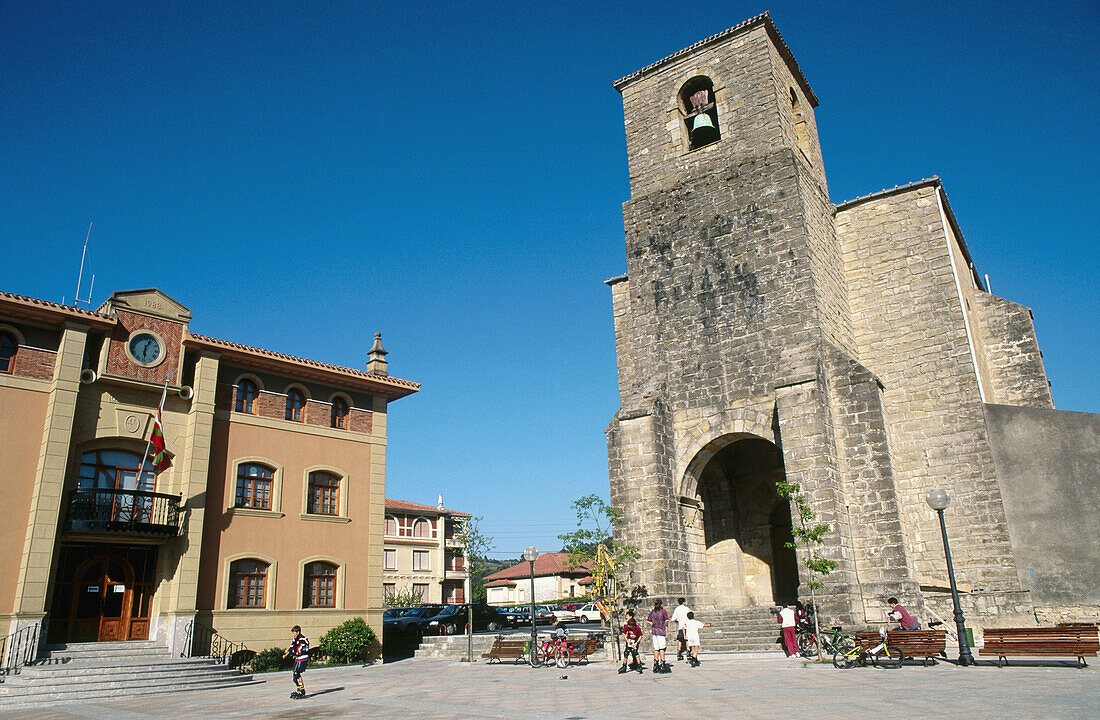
(633,632)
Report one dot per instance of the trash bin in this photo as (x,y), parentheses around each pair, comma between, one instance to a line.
(970,637)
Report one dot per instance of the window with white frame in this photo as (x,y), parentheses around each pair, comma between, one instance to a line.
(421,560)
(389,559)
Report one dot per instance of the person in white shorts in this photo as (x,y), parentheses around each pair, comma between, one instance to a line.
(691,631)
(658,619)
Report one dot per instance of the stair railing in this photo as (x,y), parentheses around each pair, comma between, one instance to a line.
(203,641)
(18,649)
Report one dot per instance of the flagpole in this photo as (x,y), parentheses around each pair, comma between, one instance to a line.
(149,444)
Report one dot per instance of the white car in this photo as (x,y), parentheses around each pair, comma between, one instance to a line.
(560,613)
(588,613)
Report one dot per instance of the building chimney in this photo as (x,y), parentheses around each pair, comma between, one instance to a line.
(376,358)
(440,501)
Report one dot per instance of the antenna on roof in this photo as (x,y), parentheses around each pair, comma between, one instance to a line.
(80,276)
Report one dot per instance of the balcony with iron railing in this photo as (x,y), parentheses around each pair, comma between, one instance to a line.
(123,512)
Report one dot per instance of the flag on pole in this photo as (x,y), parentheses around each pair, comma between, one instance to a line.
(162,459)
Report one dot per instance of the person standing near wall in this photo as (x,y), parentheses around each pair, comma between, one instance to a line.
(679,616)
(786,620)
(658,620)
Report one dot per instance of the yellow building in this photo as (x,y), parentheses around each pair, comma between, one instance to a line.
(270,515)
(424,552)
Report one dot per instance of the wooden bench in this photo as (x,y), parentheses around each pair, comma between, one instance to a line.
(507,650)
(1076,641)
(580,650)
(927,644)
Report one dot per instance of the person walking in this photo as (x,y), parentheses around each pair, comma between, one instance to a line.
(299,650)
(658,620)
(786,620)
(679,616)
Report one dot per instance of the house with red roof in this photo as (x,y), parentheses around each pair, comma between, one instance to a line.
(555,578)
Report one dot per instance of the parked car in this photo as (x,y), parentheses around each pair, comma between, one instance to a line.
(452,619)
(562,613)
(574,606)
(515,617)
(588,613)
(543,615)
(412,621)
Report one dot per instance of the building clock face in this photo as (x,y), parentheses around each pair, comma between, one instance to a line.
(145,348)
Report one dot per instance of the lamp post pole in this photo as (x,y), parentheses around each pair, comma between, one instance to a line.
(530,555)
(938,500)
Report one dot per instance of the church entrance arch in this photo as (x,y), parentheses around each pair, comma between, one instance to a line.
(741,526)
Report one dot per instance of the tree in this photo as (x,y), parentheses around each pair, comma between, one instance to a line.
(596,522)
(811,535)
(477,546)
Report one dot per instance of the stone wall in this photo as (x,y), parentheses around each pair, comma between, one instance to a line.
(911,333)
(1048,462)
(1013,362)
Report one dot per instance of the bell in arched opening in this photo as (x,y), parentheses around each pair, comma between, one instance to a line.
(703,131)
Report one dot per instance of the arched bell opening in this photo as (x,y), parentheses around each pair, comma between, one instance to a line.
(741,552)
(700,112)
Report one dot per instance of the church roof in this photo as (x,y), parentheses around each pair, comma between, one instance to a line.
(764,19)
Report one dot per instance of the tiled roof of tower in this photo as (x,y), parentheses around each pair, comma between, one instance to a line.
(554,563)
(393,386)
(34,304)
(417,507)
(764,19)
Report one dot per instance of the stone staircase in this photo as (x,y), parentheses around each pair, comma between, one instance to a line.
(86,671)
(741,630)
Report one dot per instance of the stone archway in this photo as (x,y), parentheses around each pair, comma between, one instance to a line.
(741,526)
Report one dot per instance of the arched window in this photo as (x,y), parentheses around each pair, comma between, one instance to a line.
(254,486)
(391,525)
(246,395)
(700,112)
(324,494)
(8,347)
(339,412)
(247,581)
(319,588)
(421,529)
(295,401)
(114,470)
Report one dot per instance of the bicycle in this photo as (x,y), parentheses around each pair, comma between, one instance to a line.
(831,642)
(553,651)
(882,655)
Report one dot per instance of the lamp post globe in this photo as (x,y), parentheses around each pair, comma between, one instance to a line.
(531,554)
(938,500)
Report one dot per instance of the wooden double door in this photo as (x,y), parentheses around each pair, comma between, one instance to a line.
(107,601)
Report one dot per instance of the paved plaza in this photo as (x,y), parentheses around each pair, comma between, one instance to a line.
(769,688)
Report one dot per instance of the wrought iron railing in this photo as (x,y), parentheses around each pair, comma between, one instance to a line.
(123,511)
(203,641)
(18,649)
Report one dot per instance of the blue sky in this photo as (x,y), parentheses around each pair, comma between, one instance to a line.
(302,175)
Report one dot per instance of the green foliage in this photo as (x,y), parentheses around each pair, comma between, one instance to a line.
(596,522)
(405,597)
(270,660)
(347,642)
(808,532)
(477,546)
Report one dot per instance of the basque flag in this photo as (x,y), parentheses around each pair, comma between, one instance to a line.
(162,459)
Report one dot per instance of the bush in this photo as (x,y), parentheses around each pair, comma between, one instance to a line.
(270,660)
(347,642)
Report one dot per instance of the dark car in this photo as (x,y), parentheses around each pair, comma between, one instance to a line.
(453,618)
(515,617)
(412,620)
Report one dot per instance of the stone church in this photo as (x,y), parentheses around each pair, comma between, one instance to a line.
(765,333)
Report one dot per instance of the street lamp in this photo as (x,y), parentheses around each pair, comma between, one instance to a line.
(938,500)
(530,555)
